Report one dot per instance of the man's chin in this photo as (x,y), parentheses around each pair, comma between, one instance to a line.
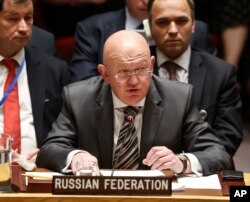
(133,100)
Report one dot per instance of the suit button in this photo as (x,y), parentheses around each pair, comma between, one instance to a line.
(203,114)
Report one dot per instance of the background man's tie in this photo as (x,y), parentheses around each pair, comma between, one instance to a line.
(11,107)
(171,67)
(127,149)
(140,26)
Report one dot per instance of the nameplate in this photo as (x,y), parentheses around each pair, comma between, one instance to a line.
(112,185)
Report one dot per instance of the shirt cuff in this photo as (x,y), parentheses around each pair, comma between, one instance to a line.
(69,160)
(196,167)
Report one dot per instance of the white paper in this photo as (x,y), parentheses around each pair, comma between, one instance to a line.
(133,173)
(207,182)
(41,175)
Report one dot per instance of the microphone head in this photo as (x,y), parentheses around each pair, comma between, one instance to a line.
(130,117)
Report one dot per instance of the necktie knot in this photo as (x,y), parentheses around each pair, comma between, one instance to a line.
(172,68)
(9,63)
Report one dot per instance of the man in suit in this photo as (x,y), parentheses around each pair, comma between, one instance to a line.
(40,78)
(91,34)
(172,24)
(165,125)
(42,40)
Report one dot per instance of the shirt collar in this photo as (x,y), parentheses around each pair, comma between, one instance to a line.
(131,22)
(119,104)
(183,61)
(18,57)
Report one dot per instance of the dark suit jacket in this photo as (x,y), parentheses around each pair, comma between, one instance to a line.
(92,33)
(42,40)
(214,83)
(86,122)
(46,77)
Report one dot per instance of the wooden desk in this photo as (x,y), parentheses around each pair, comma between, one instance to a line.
(189,195)
(46,197)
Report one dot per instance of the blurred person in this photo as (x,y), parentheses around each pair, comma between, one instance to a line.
(172,23)
(34,94)
(60,16)
(91,34)
(162,128)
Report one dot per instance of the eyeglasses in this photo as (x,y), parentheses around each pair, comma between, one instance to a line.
(139,73)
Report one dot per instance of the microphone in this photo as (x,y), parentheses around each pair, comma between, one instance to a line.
(129,117)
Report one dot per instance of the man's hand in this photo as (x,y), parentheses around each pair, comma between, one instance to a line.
(162,158)
(32,155)
(82,156)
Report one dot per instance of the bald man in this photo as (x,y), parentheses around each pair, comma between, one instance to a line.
(88,127)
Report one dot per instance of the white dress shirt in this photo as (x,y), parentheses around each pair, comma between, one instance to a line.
(183,61)
(131,22)
(28,136)
(119,119)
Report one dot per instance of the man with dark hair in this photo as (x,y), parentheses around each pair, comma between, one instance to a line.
(172,23)
(31,82)
(91,34)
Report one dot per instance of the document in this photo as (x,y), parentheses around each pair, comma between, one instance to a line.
(41,175)
(133,173)
(206,182)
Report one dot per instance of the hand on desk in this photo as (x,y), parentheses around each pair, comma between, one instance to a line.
(32,155)
(82,157)
(162,158)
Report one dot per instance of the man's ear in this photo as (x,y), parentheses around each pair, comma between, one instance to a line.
(103,71)
(193,27)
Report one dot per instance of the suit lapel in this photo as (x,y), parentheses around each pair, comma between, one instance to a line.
(36,85)
(197,74)
(151,119)
(105,126)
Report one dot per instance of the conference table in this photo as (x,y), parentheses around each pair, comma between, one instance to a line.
(194,195)
(187,195)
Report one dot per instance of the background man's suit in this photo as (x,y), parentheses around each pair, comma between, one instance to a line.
(214,83)
(42,40)
(46,77)
(92,33)
(86,122)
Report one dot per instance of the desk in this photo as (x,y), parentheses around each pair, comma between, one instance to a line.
(46,197)
(189,195)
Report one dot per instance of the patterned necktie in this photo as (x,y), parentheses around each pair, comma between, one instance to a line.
(171,67)
(127,151)
(11,107)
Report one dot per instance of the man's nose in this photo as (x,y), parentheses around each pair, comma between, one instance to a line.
(23,26)
(173,28)
(133,79)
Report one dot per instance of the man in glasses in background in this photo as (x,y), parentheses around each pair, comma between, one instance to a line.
(129,119)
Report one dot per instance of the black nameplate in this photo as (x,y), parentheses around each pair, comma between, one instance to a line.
(112,185)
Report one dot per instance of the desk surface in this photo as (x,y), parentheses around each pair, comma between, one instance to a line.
(189,195)
(30,197)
